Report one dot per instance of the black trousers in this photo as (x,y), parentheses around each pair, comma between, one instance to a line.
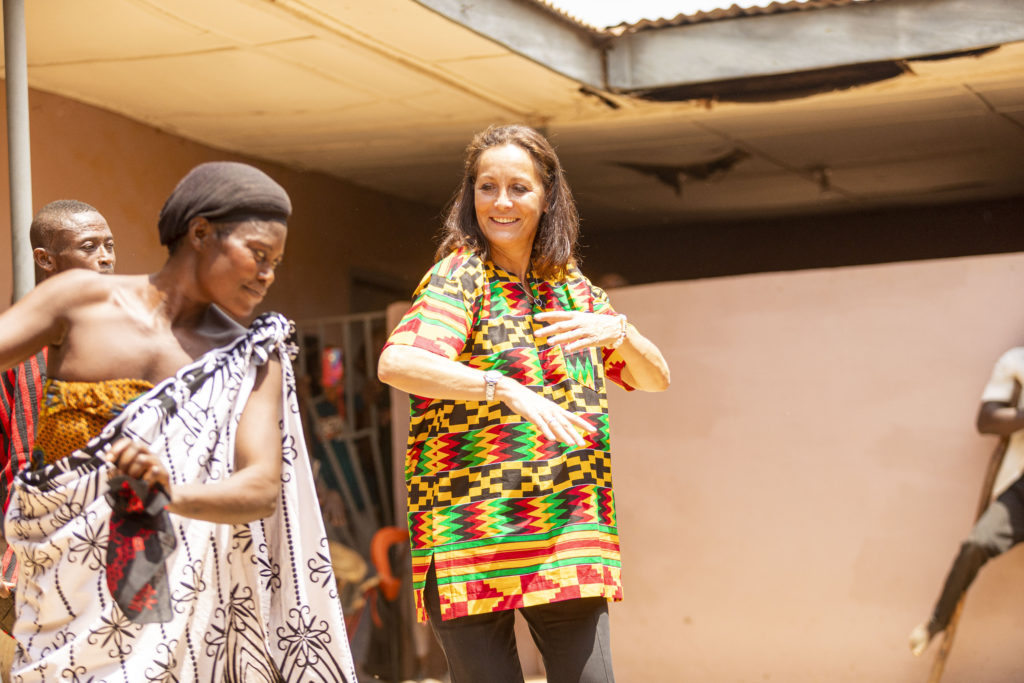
(572,636)
(998,529)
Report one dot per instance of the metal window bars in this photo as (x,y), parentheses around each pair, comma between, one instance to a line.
(345,410)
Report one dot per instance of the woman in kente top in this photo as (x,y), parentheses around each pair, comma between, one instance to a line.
(172,533)
(506,351)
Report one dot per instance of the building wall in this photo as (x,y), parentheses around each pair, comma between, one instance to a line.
(127,169)
(789,507)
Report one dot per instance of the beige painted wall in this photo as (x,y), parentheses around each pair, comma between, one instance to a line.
(127,169)
(789,508)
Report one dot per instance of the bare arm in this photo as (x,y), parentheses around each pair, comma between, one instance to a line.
(423,373)
(252,490)
(999,418)
(646,368)
(40,318)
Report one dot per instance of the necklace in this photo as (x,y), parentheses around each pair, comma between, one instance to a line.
(527,290)
(524,284)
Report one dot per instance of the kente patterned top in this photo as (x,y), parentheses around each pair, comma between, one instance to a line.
(509,518)
(72,413)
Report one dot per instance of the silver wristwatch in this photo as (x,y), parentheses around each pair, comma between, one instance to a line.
(491,378)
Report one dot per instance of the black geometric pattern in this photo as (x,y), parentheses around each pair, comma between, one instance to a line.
(522,479)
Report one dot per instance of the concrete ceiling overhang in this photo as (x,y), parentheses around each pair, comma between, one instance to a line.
(386,94)
(765,45)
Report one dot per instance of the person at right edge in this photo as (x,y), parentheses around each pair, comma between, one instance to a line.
(1001,526)
(507,351)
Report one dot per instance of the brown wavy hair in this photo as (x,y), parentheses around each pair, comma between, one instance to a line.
(554,245)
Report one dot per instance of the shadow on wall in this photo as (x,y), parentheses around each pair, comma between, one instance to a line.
(661,253)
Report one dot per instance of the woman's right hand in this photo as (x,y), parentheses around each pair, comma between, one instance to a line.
(424,373)
(556,423)
(135,460)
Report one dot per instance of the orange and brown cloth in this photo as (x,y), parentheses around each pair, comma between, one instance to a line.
(72,413)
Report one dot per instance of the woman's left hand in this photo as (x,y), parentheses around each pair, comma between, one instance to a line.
(579,330)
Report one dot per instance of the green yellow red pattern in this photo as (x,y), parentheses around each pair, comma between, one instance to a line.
(509,518)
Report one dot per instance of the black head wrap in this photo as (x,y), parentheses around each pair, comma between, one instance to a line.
(222,191)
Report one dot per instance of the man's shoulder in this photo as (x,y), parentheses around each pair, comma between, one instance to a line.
(1013,357)
(1006,373)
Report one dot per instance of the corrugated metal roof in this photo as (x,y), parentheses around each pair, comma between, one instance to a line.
(566,16)
(735,11)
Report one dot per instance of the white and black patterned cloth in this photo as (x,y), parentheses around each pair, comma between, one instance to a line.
(248,602)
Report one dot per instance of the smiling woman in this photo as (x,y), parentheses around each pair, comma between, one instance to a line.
(507,350)
(512,172)
(509,200)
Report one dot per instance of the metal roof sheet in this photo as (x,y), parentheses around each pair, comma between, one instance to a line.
(567,16)
(734,11)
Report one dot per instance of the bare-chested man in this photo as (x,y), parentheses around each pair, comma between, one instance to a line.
(65,234)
